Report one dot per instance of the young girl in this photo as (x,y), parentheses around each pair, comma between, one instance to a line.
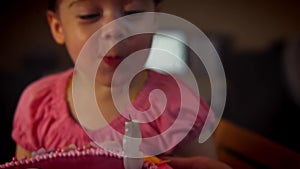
(45,116)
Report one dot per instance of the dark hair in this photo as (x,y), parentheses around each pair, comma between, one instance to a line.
(52,4)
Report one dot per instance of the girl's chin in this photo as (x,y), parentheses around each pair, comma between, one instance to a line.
(105,77)
(106,80)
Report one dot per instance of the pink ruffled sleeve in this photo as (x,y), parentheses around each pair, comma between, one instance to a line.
(27,117)
(182,119)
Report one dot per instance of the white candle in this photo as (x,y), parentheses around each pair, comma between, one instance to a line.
(133,157)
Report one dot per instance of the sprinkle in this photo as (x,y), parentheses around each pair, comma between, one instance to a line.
(14,159)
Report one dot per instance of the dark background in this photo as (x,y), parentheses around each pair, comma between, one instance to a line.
(258,42)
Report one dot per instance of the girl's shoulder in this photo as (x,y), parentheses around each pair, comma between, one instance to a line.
(49,83)
(170,84)
(40,103)
(163,81)
(48,91)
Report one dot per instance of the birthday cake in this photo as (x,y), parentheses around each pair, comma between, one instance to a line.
(79,158)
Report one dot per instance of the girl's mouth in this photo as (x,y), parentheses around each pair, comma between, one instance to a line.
(113,61)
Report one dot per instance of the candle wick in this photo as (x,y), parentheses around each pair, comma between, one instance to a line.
(130,117)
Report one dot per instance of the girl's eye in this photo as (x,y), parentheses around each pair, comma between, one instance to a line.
(133,12)
(89,16)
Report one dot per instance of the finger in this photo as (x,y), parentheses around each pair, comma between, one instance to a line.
(179,163)
(196,163)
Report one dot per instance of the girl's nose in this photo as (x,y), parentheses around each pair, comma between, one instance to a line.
(113,28)
(113,31)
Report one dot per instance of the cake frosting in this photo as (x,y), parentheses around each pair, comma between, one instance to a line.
(79,158)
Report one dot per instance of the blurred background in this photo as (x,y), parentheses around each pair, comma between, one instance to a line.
(258,43)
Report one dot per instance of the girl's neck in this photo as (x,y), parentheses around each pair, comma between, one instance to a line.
(104,96)
(104,92)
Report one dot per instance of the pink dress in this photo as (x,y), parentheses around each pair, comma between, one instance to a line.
(43,120)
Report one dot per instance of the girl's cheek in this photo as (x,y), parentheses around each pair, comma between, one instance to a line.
(72,52)
(74,45)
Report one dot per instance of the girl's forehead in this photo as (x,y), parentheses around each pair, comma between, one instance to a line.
(140,3)
(112,1)
(52,4)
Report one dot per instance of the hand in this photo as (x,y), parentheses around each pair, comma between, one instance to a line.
(195,163)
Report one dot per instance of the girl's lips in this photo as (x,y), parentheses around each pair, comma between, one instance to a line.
(112,61)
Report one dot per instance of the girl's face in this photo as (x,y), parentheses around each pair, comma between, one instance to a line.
(76,20)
